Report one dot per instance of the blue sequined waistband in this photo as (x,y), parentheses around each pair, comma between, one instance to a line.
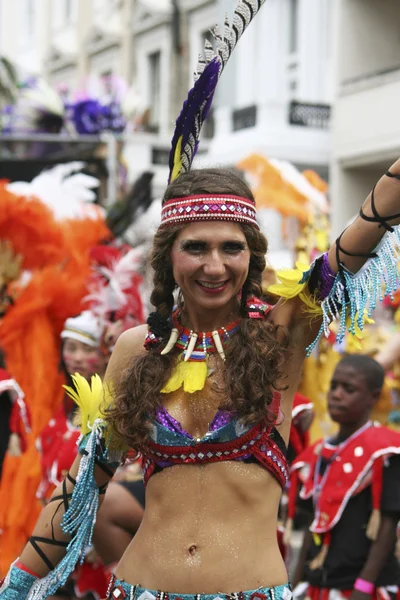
(124,591)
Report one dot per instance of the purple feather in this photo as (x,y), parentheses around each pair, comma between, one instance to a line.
(195,110)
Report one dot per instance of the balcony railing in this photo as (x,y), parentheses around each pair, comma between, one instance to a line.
(243,118)
(316,116)
(160,156)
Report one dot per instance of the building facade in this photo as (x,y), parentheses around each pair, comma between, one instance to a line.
(366,128)
(274,97)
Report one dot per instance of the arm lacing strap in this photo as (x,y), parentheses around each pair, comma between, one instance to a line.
(65,497)
(392,175)
(101,466)
(34,539)
(104,468)
(377,218)
(103,488)
(358,254)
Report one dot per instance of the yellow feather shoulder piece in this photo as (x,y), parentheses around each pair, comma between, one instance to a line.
(293,283)
(90,398)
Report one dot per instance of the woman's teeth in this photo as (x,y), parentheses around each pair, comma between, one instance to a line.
(213,285)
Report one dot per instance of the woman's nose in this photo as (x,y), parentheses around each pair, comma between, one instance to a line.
(214,264)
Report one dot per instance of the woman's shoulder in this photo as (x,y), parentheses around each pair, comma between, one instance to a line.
(134,334)
(132,340)
(129,344)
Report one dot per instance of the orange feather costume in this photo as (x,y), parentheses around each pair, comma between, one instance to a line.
(57,256)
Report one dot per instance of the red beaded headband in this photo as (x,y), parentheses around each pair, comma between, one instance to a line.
(208,207)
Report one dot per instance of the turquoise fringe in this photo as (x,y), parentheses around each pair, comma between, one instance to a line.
(79,519)
(354,295)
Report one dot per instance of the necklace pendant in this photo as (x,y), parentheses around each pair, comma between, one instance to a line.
(191,346)
(173,338)
(218,344)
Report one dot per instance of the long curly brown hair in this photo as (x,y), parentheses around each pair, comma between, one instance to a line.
(254,355)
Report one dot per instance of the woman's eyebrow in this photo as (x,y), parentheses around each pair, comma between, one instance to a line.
(234,241)
(193,241)
(185,243)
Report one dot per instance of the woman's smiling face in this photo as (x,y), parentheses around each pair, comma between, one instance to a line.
(210,262)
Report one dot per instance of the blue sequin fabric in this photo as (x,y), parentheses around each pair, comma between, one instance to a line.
(122,590)
(16,585)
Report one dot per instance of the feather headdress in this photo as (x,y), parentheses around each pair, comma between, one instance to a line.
(195,109)
(65,190)
(115,288)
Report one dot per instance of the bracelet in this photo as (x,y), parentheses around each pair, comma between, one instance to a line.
(361,585)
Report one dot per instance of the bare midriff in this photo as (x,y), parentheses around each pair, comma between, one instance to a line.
(207,529)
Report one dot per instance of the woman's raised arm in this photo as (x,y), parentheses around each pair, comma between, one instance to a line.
(379,214)
(347,282)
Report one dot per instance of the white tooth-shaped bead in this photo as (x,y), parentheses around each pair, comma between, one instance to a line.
(173,338)
(190,348)
(218,344)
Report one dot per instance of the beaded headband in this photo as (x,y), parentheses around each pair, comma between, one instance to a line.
(208,207)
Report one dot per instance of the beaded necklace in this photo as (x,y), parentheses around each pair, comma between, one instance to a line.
(196,346)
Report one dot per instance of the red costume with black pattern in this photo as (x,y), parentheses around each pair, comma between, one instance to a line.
(352,466)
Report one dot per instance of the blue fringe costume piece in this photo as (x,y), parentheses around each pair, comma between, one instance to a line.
(80,518)
(355,296)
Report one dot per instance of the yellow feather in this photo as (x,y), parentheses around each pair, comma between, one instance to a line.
(290,287)
(177,160)
(191,375)
(89,399)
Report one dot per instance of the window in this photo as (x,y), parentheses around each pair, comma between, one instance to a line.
(154,89)
(293,26)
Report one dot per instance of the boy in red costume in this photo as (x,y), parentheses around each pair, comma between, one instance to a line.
(351,483)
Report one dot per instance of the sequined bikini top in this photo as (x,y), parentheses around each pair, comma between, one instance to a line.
(227,439)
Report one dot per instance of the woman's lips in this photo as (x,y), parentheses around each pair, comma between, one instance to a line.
(213,287)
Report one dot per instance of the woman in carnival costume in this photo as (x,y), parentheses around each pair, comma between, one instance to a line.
(202,391)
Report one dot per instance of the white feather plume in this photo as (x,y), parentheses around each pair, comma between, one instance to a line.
(68,193)
(112,296)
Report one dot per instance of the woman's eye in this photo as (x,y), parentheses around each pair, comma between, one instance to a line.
(233,248)
(193,247)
